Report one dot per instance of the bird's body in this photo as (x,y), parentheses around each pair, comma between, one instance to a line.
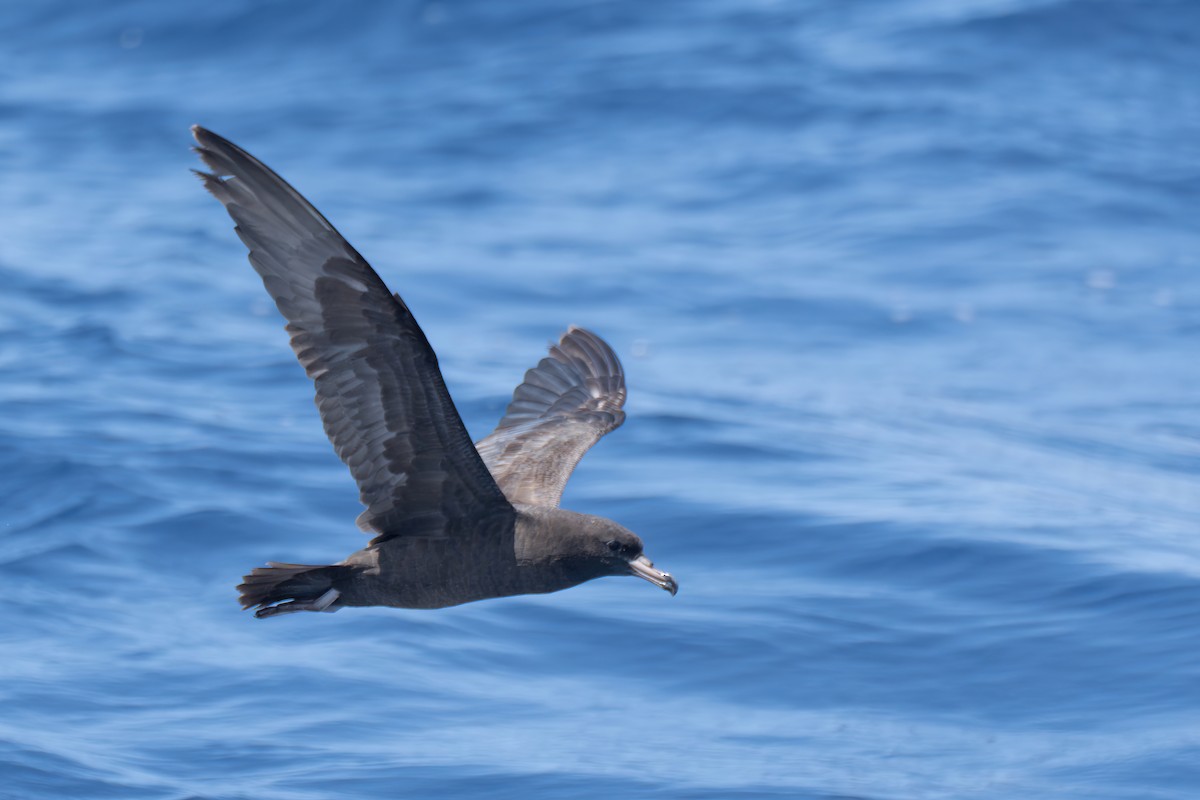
(522,554)
(454,521)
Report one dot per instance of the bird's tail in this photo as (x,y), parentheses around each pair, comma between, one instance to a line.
(296,585)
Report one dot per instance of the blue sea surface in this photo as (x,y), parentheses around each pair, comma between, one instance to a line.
(908,296)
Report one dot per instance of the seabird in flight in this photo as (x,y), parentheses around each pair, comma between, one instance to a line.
(453,521)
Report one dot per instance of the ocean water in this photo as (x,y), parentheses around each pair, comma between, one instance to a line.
(908,295)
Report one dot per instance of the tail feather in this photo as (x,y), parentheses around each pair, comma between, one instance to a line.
(277,583)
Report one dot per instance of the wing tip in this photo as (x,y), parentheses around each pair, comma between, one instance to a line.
(578,332)
(588,348)
(208,148)
(214,184)
(206,140)
(224,157)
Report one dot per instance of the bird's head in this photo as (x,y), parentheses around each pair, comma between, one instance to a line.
(626,557)
(581,547)
(620,551)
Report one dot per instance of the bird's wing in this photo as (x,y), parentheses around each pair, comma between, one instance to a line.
(566,403)
(379,390)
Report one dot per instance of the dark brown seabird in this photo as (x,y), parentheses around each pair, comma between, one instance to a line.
(453,521)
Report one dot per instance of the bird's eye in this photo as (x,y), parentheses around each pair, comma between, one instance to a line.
(623,549)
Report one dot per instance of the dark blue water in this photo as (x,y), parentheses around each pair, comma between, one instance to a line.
(908,293)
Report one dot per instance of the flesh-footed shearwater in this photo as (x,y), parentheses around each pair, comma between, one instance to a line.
(453,521)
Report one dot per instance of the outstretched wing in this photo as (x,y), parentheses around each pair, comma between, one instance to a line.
(379,390)
(566,403)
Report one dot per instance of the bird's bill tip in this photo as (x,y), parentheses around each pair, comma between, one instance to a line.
(644,568)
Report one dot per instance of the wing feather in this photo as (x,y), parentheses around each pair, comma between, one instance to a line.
(566,403)
(379,390)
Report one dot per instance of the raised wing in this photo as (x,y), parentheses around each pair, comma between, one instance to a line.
(566,403)
(379,390)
